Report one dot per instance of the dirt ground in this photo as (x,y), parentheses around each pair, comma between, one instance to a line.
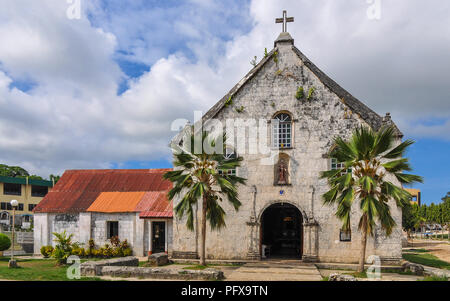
(440,249)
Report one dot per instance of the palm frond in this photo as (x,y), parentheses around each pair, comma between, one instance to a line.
(383,141)
(398,151)
(407,178)
(397,165)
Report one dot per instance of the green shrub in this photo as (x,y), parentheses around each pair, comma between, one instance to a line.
(63,247)
(127,252)
(115,241)
(60,255)
(5,242)
(91,244)
(46,251)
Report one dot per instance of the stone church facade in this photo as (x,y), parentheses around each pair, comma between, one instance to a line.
(282,214)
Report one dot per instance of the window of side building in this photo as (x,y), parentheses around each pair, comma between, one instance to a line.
(112,229)
(39,191)
(345,236)
(31,207)
(12,189)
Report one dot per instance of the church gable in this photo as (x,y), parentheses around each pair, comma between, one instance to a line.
(287,71)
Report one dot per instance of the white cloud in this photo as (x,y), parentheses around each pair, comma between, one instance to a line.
(74,119)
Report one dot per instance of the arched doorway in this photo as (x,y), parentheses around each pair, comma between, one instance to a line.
(281,232)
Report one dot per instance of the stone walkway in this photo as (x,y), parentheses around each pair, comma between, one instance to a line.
(273,271)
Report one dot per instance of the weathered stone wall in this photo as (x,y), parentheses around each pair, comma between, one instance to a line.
(59,222)
(126,226)
(316,123)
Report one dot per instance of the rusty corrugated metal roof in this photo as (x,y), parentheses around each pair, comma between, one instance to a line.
(113,202)
(78,189)
(155,204)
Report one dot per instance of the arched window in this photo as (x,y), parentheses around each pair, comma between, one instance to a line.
(282,131)
(229,154)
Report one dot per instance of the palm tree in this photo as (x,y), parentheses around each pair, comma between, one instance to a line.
(204,177)
(373,163)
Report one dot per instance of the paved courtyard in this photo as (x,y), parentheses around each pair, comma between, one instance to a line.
(274,271)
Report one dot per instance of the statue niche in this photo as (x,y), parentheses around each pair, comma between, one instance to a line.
(282,170)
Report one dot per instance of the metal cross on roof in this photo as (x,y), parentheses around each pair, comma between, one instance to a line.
(284,20)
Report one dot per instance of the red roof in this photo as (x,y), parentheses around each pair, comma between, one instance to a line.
(155,204)
(78,189)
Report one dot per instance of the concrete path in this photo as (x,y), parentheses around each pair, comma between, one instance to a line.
(274,271)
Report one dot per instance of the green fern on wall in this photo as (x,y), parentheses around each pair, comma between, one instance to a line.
(311,92)
(300,93)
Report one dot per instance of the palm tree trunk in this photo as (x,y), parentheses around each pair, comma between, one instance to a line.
(203,246)
(362,257)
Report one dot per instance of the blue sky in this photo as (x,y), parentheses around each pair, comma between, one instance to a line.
(102,90)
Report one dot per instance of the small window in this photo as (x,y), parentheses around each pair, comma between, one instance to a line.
(8,206)
(229,154)
(113,229)
(39,191)
(345,236)
(20,207)
(12,189)
(4,206)
(338,165)
(282,131)
(31,207)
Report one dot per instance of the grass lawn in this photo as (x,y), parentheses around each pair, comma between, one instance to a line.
(434,278)
(417,250)
(36,270)
(426,259)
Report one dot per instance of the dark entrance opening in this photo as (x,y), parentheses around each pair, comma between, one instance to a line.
(158,237)
(282,232)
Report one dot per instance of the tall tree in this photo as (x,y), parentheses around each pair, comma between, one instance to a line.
(373,160)
(54,178)
(203,177)
(13,171)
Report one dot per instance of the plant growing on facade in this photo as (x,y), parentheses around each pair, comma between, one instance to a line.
(229,101)
(254,61)
(240,109)
(197,179)
(275,57)
(311,92)
(300,93)
(373,160)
